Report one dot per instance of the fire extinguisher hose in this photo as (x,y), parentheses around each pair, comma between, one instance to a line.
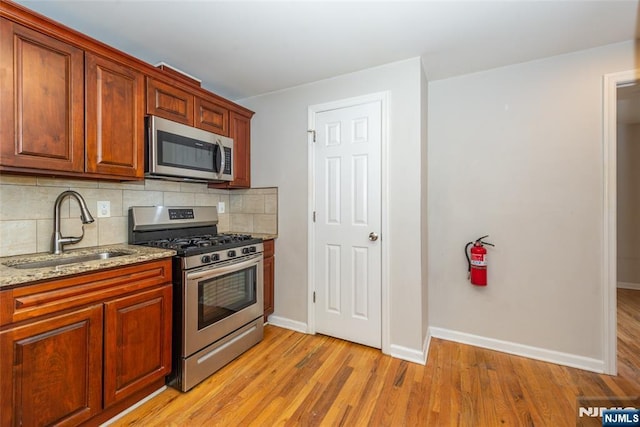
(466,253)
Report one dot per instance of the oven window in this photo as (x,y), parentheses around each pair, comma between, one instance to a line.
(224,295)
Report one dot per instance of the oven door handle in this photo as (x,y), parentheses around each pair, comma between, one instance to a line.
(254,260)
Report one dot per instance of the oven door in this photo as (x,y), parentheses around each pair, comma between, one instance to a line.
(219,299)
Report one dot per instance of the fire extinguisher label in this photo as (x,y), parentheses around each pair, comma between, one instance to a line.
(478,260)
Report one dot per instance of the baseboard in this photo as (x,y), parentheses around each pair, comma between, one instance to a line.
(283,322)
(410,354)
(425,345)
(131,408)
(559,358)
(629,285)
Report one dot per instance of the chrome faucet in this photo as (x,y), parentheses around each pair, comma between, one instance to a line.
(58,241)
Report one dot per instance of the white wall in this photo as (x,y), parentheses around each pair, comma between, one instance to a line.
(516,153)
(424,221)
(279,158)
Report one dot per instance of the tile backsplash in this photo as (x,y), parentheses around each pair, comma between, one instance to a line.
(254,210)
(26,209)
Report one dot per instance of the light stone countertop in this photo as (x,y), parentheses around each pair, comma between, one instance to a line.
(263,236)
(12,277)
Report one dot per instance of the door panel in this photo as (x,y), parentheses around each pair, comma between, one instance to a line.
(42,106)
(347,189)
(115,118)
(137,337)
(51,370)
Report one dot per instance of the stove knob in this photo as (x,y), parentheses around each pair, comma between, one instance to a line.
(231,254)
(245,251)
(205,259)
(252,249)
(215,257)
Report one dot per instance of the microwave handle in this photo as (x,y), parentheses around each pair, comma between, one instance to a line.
(222,157)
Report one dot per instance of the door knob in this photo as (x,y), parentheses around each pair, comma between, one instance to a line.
(373,236)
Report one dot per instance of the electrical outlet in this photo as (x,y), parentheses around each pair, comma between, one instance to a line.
(220,207)
(104,209)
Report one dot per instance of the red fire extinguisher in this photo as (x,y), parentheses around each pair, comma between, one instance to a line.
(477,261)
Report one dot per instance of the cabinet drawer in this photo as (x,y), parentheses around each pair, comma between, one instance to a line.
(30,301)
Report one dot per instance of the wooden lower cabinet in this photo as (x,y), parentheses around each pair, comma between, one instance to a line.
(269,278)
(136,342)
(83,348)
(51,370)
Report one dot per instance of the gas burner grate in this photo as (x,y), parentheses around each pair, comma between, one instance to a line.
(190,243)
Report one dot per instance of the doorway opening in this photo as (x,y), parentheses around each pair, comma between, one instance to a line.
(624,84)
(628,230)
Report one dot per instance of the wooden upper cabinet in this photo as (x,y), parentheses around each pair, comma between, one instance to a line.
(211,117)
(115,118)
(240,131)
(42,103)
(72,106)
(169,102)
(172,103)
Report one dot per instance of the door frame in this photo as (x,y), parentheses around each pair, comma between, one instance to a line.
(610,240)
(383,98)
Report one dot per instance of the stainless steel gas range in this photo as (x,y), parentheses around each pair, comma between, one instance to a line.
(218,287)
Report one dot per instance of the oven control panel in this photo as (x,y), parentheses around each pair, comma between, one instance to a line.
(184,213)
(238,253)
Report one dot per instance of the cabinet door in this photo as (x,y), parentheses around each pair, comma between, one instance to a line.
(137,342)
(42,103)
(169,102)
(212,117)
(269,271)
(51,370)
(240,130)
(269,277)
(115,118)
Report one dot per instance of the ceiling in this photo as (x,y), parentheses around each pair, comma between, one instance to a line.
(245,48)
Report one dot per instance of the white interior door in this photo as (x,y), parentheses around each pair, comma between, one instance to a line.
(347,249)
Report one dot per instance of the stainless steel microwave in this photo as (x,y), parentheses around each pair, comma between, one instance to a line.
(178,152)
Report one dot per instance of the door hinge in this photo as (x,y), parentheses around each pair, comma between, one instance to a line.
(314,297)
(314,216)
(311,131)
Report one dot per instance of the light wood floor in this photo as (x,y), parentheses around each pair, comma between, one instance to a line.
(294,379)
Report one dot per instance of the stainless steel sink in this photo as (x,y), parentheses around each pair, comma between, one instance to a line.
(55,262)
